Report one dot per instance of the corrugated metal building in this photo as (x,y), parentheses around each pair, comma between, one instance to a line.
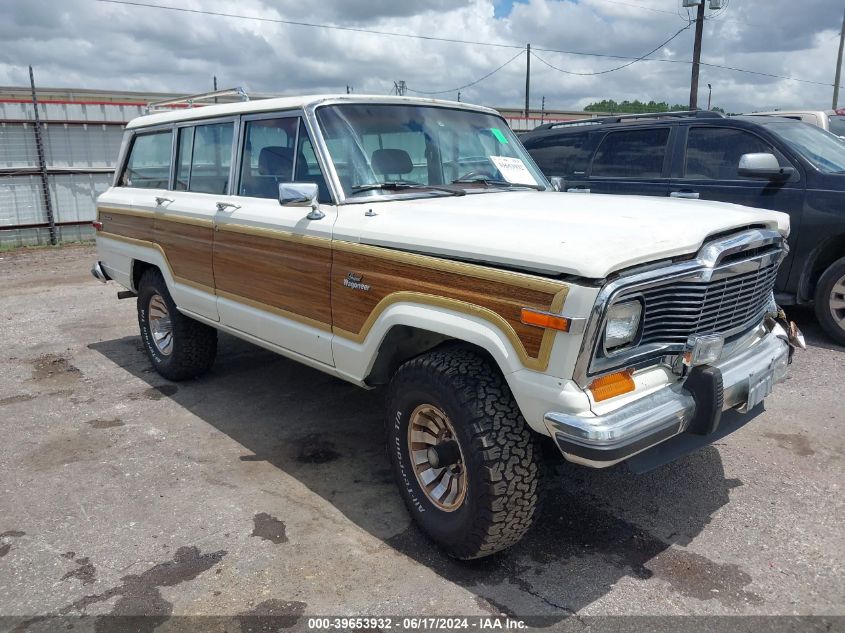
(81,133)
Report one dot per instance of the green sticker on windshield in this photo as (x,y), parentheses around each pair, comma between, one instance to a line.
(499,136)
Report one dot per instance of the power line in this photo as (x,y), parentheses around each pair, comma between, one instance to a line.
(446,39)
(491,73)
(610,70)
(639,6)
(308,24)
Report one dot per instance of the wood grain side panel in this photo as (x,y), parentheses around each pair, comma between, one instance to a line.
(351,307)
(137,227)
(188,249)
(286,275)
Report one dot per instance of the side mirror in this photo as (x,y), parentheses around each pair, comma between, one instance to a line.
(763,166)
(558,183)
(301,194)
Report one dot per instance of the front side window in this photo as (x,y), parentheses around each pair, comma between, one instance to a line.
(825,151)
(268,156)
(148,166)
(378,147)
(713,152)
(631,154)
(210,150)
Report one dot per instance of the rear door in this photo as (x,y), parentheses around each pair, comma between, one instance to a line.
(632,161)
(708,169)
(185,218)
(272,265)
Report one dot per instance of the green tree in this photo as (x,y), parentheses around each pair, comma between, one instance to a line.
(636,107)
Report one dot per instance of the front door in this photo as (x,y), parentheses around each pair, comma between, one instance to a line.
(709,171)
(271,264)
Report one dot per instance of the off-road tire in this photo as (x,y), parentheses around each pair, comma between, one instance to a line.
(501,454)
(194,344)
(824,295)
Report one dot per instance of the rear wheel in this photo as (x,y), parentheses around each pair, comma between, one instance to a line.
(466,463)
(830,301)
(178,346)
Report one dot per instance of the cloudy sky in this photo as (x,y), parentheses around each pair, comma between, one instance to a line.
(92,44)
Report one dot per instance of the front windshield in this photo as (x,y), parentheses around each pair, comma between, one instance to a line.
(837,125)
(824,150)
(378,148)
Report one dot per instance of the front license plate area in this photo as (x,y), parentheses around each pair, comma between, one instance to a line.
(758,390)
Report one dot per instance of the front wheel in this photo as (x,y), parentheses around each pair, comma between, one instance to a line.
(178,346)
(830,301)
(466,463)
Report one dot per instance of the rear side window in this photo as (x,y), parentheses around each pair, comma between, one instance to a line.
(714,153)
(557,155)
(205,155)
(148,166)
(837,125)
(632,154)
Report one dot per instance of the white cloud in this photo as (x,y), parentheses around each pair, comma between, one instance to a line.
(89,44)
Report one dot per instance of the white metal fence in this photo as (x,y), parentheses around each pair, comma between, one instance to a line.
(81,142)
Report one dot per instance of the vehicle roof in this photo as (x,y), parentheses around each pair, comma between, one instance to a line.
(783,112)
(746,121)
(289,103)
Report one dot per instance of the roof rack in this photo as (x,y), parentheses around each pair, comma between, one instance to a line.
(189,101)
(699,114)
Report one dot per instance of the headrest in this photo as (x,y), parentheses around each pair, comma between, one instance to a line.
(276,161)
(392,161)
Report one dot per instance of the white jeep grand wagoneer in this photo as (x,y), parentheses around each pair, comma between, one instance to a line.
(413,243)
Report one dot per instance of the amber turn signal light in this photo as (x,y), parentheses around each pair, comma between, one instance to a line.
(547,320)
(612,385)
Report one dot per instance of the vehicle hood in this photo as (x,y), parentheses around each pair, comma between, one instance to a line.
(589,235)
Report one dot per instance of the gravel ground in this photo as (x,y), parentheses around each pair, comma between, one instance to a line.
(263,488)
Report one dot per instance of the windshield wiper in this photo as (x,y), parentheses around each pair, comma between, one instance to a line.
(393,185)
(492,182)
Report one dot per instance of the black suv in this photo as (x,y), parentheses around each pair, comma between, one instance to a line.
(769,163)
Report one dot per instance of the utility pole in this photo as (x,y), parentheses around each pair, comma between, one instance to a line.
(215,87)
(839,67)
(696,57)
(527,76)
(543,110)
(42,163)
(709,95)
(459,96)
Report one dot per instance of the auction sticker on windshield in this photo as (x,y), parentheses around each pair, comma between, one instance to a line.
(513,170)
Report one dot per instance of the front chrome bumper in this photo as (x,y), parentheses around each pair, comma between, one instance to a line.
(601,441)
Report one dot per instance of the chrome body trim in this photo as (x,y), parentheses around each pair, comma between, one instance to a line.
(704,268)
(667,412)
(99,273)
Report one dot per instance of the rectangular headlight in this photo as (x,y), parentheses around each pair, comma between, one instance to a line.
(622,324)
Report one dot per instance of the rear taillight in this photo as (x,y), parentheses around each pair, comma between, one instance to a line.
(98,226)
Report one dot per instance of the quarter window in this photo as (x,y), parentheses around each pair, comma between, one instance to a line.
(148,166)
(632,154)
(268,156)
(713,153)
(210,150)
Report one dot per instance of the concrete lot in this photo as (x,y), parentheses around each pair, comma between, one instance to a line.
(264,488)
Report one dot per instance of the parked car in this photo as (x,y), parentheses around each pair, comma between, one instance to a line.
(414,244)
(832,121)
(764,162)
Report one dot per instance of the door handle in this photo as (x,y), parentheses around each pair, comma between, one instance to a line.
(160,200)
(222,206)
(689,195)
(578,190)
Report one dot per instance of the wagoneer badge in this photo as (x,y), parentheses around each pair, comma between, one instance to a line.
(353,280)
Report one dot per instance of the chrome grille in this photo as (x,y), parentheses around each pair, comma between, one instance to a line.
(676,310)
(726,289)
